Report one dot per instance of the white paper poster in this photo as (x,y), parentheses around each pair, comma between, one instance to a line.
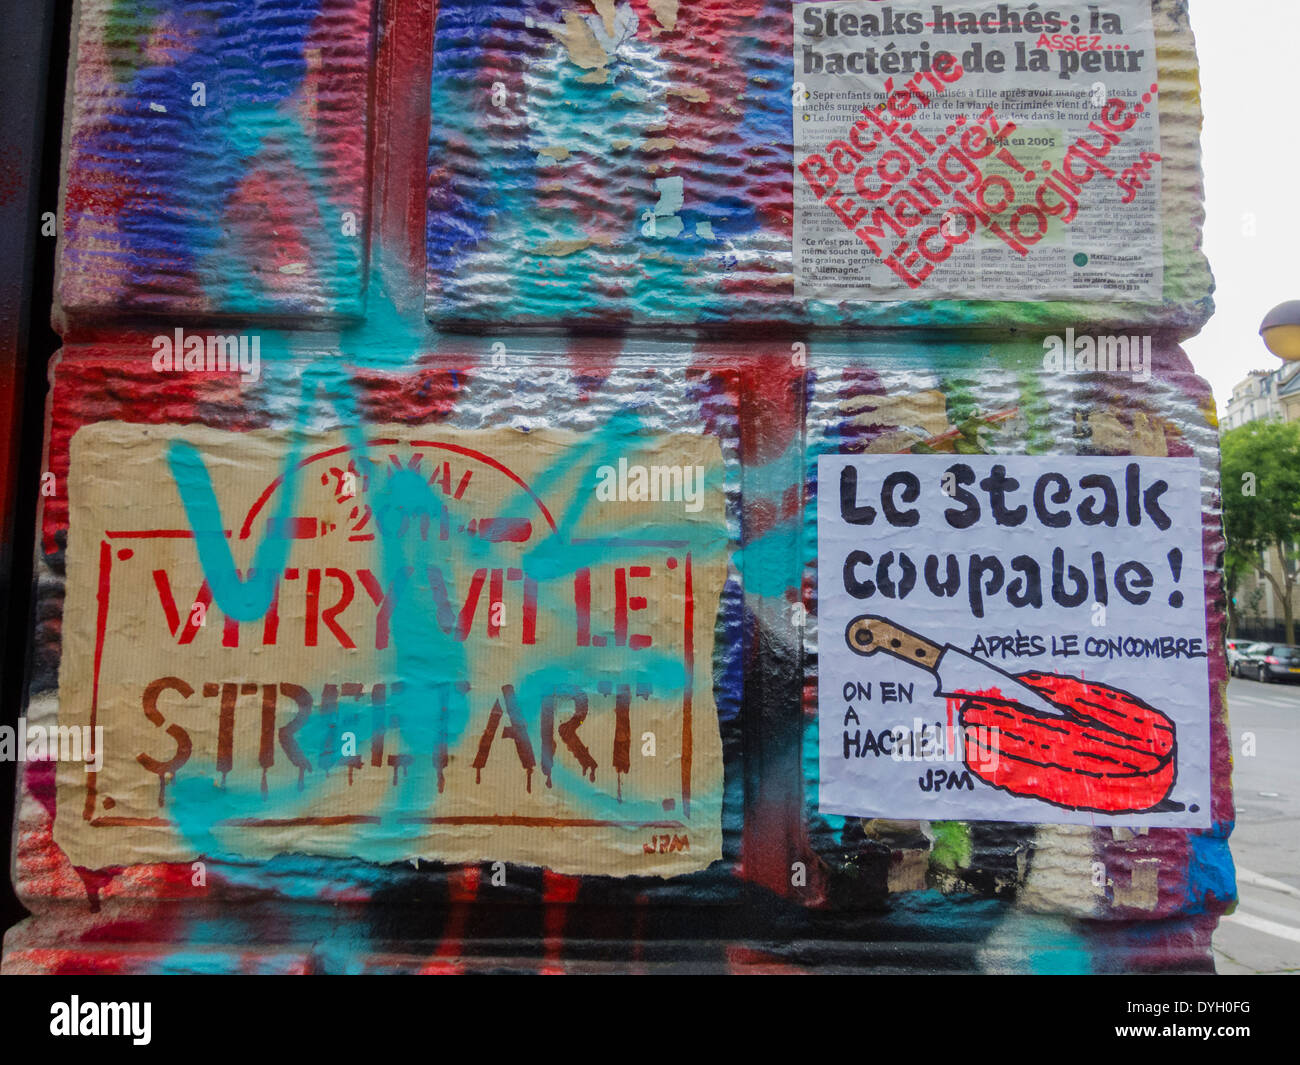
(978,150)
(1012,638)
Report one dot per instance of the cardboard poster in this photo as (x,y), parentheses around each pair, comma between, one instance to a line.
(977,150)
(419,643)
(1013,638)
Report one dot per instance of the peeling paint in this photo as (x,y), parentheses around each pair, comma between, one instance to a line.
(665,11)
(580,43)
(1142,892)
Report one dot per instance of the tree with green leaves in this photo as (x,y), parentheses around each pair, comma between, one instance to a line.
(1261,506)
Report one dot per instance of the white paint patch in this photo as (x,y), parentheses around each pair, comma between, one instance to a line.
(672,195)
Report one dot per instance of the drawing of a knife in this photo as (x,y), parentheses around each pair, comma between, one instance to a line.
(957,674)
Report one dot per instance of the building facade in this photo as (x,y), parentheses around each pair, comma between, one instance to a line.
(1253,399)
(1265,395)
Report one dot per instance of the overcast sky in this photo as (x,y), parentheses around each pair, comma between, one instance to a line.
(1250,89)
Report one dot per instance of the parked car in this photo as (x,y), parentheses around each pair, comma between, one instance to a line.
(1233,650)
(1268,662)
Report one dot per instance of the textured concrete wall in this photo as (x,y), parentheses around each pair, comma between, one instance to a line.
(317,202)
(538,206)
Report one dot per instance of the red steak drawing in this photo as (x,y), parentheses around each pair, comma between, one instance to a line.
(1042,736)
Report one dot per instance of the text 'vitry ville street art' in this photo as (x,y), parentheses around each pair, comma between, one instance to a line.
(429,652)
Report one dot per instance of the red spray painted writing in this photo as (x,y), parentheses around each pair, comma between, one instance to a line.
(902,179)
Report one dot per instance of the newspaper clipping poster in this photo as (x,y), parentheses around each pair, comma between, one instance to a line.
(978,150)
(1013,638)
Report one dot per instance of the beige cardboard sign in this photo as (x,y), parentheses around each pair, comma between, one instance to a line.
(419,643)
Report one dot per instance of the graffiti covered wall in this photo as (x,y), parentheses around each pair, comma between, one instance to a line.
(454,409)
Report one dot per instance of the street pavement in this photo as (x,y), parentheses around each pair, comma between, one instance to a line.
(1263,936)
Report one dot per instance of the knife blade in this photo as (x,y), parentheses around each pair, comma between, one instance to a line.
(956,673)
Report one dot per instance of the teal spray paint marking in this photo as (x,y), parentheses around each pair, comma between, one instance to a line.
(427,659)
(248,132)
(432,663)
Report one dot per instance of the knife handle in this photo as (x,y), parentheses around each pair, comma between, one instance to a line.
(867,635)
